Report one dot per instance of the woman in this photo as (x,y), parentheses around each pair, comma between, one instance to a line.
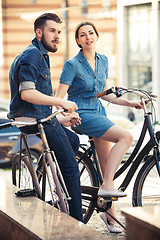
(83,77)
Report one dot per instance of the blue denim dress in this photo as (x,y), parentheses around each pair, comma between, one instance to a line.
(84,84)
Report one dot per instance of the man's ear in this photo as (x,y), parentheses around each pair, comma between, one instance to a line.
(39,33)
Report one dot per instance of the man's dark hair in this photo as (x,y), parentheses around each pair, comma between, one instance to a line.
(41,20)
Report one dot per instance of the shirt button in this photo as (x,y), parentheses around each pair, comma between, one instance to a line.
(46,76)
(50,107)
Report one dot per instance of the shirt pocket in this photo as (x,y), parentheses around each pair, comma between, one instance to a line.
(45,74)
(43,82)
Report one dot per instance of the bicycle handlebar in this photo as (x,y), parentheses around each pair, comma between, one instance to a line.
(119,91)
(108,91)
(16,123)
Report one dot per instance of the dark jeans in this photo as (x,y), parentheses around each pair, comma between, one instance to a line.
(65,144)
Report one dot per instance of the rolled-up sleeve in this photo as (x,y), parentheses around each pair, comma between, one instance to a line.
(28,75)
(26,85)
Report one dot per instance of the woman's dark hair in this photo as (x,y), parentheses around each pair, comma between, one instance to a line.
(41,20)
(84,24)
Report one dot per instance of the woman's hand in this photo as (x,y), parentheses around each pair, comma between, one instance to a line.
(70,119)
(137,105)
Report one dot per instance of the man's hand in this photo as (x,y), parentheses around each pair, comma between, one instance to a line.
(71,119)
(69,106)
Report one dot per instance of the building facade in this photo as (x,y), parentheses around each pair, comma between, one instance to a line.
(139,45)
(17,32)
(129,35)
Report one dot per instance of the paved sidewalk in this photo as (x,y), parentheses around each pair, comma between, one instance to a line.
(95,222)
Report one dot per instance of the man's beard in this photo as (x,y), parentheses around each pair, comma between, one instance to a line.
(46,46)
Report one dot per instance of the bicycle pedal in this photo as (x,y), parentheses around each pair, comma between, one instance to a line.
(110,198)
(26,192)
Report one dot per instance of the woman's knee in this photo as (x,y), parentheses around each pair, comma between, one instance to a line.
(128,138)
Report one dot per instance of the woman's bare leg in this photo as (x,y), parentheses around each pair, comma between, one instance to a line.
(110,157)
(105,151)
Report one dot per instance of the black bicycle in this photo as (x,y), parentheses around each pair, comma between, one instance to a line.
(146,190)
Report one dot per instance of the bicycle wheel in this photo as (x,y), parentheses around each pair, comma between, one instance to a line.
(21,175)
(146,189)
(88,177)
(48,185)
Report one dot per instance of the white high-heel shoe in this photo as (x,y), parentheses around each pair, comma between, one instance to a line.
(111,226)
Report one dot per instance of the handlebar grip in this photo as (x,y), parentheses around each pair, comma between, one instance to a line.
(5,125)
(106,92)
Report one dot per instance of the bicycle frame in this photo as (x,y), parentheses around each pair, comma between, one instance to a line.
(144,152)
(151,144)
(55,170)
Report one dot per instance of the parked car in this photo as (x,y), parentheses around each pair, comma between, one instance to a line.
(10,139)
(10,144)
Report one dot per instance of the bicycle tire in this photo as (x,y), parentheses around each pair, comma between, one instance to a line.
(88,177)
(59,199)
(27,182)
(146,191)
(26,177)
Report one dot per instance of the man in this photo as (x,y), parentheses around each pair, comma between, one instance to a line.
(31,97)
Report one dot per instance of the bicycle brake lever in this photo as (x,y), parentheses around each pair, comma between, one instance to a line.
(117,92)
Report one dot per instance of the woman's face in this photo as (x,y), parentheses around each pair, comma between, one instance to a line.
(87,37)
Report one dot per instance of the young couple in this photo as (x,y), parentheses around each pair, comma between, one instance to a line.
(82,78)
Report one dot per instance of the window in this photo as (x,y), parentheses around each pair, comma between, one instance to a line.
(139,46)
(140,77)
(139,29)
(84,7)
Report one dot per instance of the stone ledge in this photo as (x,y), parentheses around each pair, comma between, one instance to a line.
(30,218)
(142,223)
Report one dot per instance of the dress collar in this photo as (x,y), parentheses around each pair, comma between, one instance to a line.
(82,58)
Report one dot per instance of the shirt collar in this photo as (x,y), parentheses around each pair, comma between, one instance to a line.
(82,58)
(39,45)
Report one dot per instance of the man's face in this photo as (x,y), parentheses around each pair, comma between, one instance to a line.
(51,35)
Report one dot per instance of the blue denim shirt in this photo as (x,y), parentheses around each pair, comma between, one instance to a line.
(30,70)
(84,82)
